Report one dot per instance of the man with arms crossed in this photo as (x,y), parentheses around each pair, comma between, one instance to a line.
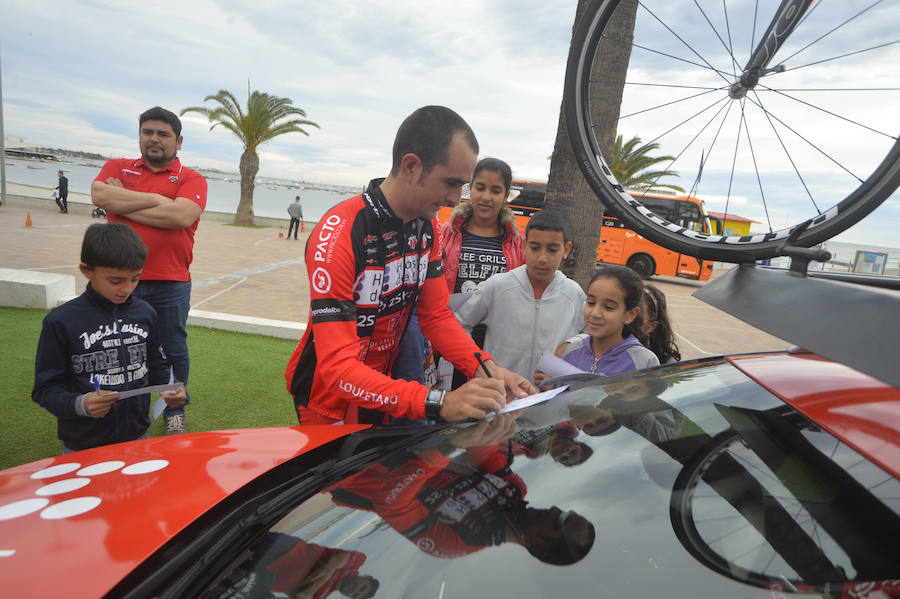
(370,260)
(161,200)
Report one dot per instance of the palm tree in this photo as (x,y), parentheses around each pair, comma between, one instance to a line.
(262,121)
(567,189)
(630,164)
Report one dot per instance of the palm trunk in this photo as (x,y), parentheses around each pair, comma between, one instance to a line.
(249,167)
(567,190)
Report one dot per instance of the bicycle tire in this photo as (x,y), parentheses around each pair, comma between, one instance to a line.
(682,516)
(825,224)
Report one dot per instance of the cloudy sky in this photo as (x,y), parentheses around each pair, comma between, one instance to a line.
(77,74)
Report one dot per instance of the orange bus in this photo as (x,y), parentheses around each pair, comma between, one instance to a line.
(621,245)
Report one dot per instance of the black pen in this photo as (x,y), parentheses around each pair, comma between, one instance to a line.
(483,365)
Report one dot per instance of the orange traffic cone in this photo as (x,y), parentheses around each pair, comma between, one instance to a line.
(302,227)
(281,232)
(28,221)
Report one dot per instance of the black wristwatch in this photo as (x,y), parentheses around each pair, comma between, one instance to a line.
(433,402)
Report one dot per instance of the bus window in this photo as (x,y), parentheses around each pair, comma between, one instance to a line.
(663,207)
(529,199)
(690,217)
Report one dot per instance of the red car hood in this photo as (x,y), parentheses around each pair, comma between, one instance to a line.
(859,410)
(75,525)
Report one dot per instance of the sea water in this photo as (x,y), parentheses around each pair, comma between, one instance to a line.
(271,196)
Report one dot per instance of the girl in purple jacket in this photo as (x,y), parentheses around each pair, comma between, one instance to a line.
(611,319)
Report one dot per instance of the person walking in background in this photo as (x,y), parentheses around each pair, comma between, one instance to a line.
(161,200)
(295,211)
(63,188)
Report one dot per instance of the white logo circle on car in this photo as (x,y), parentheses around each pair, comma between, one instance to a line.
(72,506)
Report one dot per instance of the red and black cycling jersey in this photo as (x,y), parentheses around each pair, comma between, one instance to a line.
(447,509)
(367,269)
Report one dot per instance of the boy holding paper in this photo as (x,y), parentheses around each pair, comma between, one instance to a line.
(101,343)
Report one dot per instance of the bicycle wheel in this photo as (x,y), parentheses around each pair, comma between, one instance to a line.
(734,515)
(814,139)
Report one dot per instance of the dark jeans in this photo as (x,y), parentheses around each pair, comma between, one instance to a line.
(62,201)
(171,300)
(410,362)
(294,226)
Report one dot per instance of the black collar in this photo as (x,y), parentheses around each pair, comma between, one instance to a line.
(104,303)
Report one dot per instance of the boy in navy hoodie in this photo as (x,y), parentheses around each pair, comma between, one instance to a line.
(101,343)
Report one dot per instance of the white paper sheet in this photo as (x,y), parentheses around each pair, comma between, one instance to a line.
(554,366)
(150,389)
(531,400)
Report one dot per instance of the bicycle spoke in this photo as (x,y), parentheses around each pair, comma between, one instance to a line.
(823,36)
(673,57)
(809,64)
(787,153)
(730,43)
(672,85)
(762,193)
(811,144)
(696,183)
(688,46)
(887,480)
(834,114)
(769,563)
(724,45)
(809,12)
(668,103)
(658,137)
(753,31)
(737,142)
(683,150)
(830,89)
(729,533)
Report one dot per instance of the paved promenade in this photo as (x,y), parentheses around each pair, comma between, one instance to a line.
(252,272)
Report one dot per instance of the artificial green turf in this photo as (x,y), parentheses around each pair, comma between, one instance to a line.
(237,381)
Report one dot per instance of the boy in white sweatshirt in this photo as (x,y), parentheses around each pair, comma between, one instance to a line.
(533,308)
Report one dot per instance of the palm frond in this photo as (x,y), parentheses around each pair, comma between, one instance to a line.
(631,161)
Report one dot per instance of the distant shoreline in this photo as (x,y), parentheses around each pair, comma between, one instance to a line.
(36,196)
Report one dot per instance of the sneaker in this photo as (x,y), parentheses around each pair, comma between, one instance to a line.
(175,425)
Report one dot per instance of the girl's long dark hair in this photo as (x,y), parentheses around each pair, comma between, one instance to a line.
(662,340)
(632,285)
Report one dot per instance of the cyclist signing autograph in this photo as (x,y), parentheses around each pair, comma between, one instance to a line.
(370,260)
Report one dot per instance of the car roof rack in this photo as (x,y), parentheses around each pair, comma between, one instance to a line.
(851,319)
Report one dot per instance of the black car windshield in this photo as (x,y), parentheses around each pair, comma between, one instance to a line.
(687,480)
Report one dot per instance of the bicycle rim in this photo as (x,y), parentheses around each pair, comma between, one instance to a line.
(816,142)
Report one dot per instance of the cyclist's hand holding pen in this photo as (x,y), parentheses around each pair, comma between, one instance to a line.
(516,386)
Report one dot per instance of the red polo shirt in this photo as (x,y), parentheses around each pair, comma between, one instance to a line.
(169,251)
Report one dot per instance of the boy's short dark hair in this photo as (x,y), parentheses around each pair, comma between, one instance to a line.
(113,245)
(427,133)
(549,220)
(158,113)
